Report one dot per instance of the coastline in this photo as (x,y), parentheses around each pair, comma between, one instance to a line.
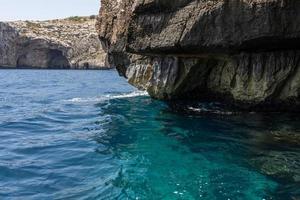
(74,69)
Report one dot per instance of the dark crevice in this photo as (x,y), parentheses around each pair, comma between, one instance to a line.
(56,59)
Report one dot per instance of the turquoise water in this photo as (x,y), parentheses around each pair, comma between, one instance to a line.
(89,135)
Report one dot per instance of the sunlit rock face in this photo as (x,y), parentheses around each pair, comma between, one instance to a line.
(8,36)
(242,52)
(65,43)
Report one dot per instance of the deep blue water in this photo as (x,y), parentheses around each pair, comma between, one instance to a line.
(89,135)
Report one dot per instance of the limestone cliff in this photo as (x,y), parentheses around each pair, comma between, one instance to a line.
(65,43)
(242,52)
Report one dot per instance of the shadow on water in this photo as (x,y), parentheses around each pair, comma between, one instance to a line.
(268,143)
(179,155)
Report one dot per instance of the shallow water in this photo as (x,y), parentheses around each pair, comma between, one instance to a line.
(89,135)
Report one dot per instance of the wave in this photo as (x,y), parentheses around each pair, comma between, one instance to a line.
(108,97)
(216,111)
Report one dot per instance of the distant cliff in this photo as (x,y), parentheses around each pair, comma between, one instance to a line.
(241,52)
(66,43)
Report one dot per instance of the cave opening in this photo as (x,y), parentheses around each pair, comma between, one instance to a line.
(43,58)
(21,62)
(56,60)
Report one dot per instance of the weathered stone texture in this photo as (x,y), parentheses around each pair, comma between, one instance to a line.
(244,52)
(66,43)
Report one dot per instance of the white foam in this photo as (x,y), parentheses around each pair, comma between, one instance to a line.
(108,97)
(204,110)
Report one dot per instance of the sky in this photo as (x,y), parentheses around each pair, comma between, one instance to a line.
(11,10)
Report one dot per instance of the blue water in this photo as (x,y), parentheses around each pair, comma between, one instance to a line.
(89,135)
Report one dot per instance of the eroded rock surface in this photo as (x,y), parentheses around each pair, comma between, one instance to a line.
(66,43)
(242,52)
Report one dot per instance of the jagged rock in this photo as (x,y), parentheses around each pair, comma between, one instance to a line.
(242,52)
(66,43)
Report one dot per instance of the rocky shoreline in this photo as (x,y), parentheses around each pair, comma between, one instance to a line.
(48,68)
(70,43)
(243,53)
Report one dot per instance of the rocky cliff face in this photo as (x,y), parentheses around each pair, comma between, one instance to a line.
(242,52)
(66,43)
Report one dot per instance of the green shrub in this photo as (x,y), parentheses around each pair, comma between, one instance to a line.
(32,25)
(77,19)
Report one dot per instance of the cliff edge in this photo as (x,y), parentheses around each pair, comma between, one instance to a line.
(241,52)
(64,43)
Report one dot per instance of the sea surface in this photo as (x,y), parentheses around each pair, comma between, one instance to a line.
(90,135)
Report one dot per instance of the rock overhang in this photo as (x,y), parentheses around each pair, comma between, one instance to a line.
(244,52)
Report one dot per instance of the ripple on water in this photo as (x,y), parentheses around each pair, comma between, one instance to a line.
(89,135)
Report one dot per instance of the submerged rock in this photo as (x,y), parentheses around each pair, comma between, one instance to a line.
(65,43)
(282,165)
(243,53)
(277,154)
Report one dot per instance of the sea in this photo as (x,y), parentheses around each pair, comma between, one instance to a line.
(89,135)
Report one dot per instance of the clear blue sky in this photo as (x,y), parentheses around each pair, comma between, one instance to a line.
(46,9)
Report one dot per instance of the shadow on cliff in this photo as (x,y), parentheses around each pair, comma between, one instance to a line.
(161,6)
(43,58)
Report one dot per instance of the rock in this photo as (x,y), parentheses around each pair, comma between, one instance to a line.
(282,165)
(8,49)
(67,43)
(276,154)
(241,52)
